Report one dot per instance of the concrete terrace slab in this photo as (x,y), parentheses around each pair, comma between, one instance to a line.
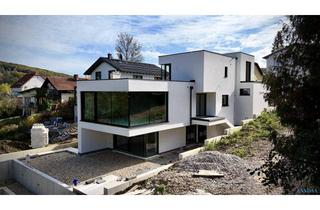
(65,166)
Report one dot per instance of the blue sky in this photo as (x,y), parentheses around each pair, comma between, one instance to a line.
(70,44)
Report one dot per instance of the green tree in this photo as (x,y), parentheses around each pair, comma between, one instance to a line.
(293,87)
(5,89)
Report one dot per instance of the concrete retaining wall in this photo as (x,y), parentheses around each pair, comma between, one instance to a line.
(190,153)
(118,187)
(6,170)
(38,182)
(230,131)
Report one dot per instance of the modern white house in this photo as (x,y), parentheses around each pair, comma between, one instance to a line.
(145,110)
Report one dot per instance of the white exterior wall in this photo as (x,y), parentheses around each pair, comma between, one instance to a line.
(104,68)
(214,81)
(259,103)
(172,139)
(186,67)
(207,69)
(90,140)
(244,104)
(178,103)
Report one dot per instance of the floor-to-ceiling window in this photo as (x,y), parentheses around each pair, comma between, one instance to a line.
(119,106)
(88,106)
(142,145)
(124,108)
(104,114)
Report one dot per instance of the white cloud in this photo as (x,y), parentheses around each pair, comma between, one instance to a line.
(72,43)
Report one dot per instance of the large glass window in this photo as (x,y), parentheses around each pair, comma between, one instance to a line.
(147,108)
(142,145)
(123,108)
(104,111)
(158,107)
(139,109)
(120,108)
(88,107)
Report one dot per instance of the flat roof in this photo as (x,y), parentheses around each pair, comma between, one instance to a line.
(208,51)
(208,118)
(195,51)
(239,52)
(136,79)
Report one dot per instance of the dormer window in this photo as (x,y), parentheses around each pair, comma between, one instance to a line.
(98,75)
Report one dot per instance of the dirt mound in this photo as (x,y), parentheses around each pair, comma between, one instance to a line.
(179,178)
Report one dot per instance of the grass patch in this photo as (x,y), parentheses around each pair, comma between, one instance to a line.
(239,143)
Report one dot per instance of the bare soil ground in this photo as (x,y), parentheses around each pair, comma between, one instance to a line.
(237,179)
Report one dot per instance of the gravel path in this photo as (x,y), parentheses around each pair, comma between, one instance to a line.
(65,166)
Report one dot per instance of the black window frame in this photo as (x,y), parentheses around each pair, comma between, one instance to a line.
(98,75)
(248,71)
(244,92)
(201,104)
(225,100)
(95,118)
(225,71)
(130,140)
(166,75)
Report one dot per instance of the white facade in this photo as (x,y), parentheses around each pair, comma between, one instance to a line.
(221,77)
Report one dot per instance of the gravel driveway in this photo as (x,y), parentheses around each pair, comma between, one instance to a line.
(65,166)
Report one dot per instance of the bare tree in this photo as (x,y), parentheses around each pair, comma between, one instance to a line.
(129,48)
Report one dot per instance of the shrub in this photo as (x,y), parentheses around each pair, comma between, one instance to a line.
(160,189)
(239,142)
(9,107)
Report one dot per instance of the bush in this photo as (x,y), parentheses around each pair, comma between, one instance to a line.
(160,189)
(239,143)
(9,107)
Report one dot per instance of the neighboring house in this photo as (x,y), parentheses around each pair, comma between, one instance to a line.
(200,94)
(58,89)
(271,59)
(108,68)
(26,89)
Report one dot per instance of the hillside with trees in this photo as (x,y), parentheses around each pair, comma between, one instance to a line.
(11,72)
